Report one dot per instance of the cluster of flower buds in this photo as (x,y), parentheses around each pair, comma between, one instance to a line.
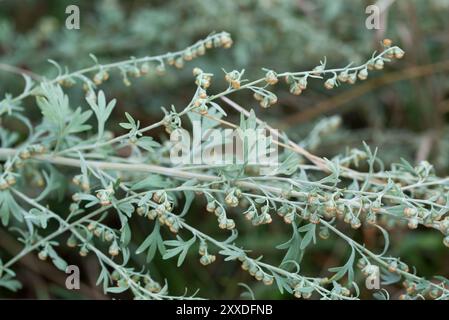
(287,213)
(297,84)
(200,99)
(223,40)
(100,76)
(396,52)
(341,212)
(419,289)
(352,219)
(340,290)
(132,68)
(206,258)
(223,221)
(234,78)
(151,285)
(302,290)
(256,271)
(67,82)
(101,231)
(258,219)
(350,75)
(232,197)
(202,79)
(266,98)
(143,280)
(362,74)
(162,211)
(31,150)
(330,209)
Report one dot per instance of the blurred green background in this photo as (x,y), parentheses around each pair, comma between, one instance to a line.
(403,109)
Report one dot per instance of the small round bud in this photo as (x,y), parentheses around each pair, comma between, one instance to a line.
(343,76)
(145,68)
(413,223)
(387,42)
(179,63)
(295,89)
(259,275)
(83,251)
(329,84)
(410,212)
(197,71)
(379,64)
(355,223)
(71,241)
(324,233)
(363,74)
(230,224)
(352,78)
(152,214)
(398,53)
(235,84)
(113,249)
(42,255)
(271,77)
(210,207)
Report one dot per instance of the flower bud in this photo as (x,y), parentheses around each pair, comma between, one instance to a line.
(398,53)
(271,77)
(363,74)
(343,76)
(413,223)
(113,249)
(42,255)
(355,223)
(71,241)
(379,64)
(329,84)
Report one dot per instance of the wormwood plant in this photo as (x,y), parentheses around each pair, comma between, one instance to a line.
(113,180)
